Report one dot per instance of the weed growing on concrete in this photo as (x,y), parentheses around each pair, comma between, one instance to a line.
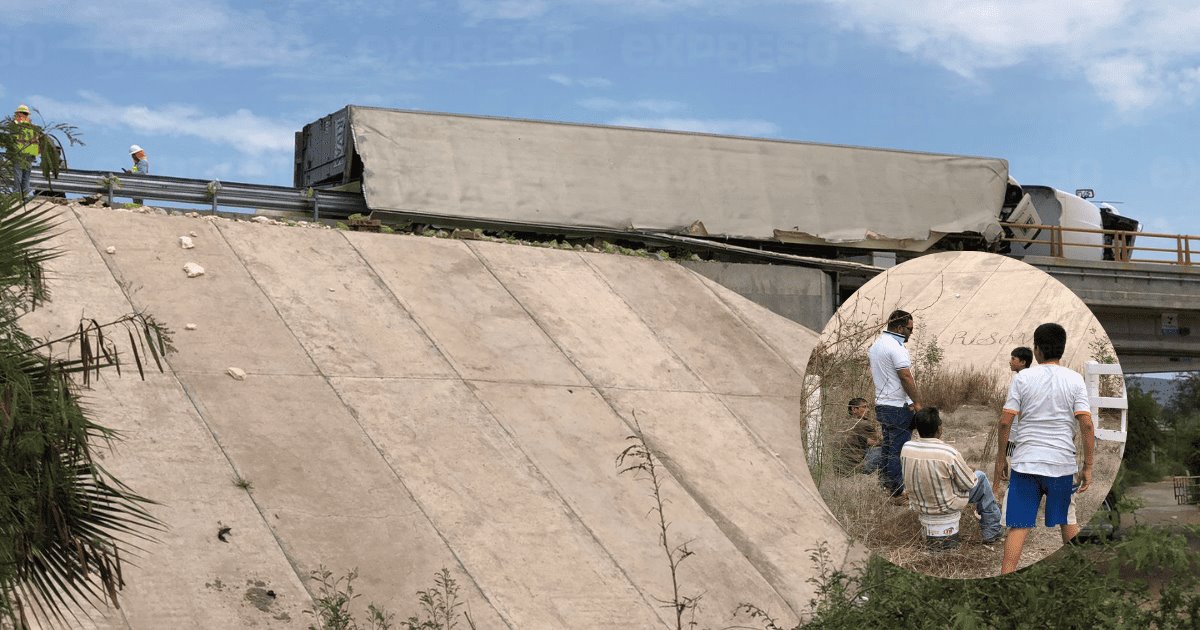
(331,604)
(440,606)
(638,458)
(242,483)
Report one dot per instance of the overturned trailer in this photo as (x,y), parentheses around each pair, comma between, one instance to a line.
(573,177)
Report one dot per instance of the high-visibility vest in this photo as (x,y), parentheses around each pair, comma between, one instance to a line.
(27,137)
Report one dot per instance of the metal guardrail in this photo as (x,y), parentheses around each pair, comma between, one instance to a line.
(319,203)
(1121,242)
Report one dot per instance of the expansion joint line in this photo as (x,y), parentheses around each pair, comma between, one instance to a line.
(197,407)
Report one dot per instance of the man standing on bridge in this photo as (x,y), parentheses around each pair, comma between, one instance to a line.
(1051,400)
(896,395)
(141,166)
(27,152)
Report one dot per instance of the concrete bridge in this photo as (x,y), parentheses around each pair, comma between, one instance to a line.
(1151,311)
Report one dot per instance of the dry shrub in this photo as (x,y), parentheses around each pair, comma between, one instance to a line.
(949,389)
(894,532)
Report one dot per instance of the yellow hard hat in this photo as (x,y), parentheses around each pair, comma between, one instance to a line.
(22,109)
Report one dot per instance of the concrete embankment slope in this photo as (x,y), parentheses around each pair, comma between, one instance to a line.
(416,403)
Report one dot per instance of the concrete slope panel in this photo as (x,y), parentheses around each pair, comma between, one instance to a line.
(537,563)
(324,488)
(344,316)
(190,578)
(479,327)
(762,508)
(979,307)
(776,422)
(594,327)
(790,340)
(573,437)
(187,578)
(701,331)
(236,324)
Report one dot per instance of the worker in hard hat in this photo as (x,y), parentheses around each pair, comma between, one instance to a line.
(141,166)
(28,151)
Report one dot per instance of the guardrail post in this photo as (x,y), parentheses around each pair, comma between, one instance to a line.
(109,185)
(316,199)
(214,191)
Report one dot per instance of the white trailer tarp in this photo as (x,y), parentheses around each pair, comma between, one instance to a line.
(621,178)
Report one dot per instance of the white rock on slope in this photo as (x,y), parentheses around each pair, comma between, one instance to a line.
(192,270)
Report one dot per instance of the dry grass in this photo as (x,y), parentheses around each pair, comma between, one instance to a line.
(971,400)
(894,533)
(949,389)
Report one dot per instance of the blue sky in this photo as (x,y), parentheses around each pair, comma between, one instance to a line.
(1099,94)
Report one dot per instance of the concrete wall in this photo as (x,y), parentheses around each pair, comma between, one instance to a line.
(802,295)
(416,403)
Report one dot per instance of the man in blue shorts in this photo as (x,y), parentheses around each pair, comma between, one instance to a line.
(1051,400)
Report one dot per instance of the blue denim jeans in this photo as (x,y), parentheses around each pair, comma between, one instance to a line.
(896,423)
(873,460)
(985,505)
(22,182)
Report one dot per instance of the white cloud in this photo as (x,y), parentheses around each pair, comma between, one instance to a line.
(733,127)
(205,31)
(242,130)
(656,106)
(480,10)
(587,82)
(1127,82)
(1135,54)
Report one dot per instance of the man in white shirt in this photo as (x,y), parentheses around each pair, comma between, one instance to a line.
(1020,359)
(896,395)
(1051,400)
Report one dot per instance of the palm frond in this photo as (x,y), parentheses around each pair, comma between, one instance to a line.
(65,521)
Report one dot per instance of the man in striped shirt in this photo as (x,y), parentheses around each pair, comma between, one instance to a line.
(940,484)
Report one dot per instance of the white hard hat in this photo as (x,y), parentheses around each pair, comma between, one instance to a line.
(134,149)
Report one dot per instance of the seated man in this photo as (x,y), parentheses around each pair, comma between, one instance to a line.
(859,450)
(940,485)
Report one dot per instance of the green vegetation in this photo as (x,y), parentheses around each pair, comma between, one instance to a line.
(1148,580)
(440,607)
(1162,441)
(65,522)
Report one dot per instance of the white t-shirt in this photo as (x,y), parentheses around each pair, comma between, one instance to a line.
(1047,397)
(887,355)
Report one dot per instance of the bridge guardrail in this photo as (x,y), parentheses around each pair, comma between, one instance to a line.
(320,203)
(1125,245)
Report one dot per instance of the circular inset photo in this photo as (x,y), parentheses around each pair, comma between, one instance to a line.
(964,415)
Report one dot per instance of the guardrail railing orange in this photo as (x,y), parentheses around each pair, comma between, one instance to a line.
(1175,249)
